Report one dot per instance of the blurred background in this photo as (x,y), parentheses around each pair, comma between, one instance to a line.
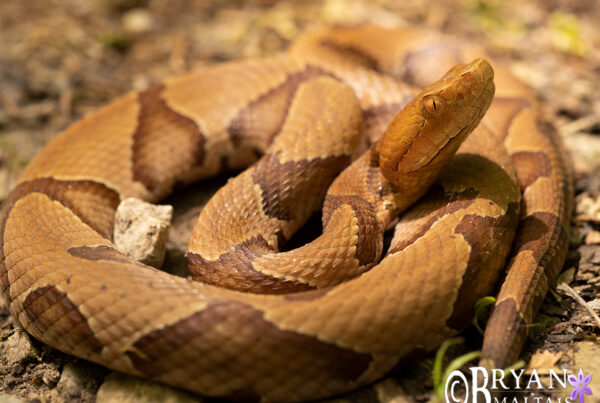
(60,59)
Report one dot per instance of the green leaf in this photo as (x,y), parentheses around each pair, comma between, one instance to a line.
(482,310)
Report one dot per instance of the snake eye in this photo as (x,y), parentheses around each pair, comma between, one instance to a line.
(433,104)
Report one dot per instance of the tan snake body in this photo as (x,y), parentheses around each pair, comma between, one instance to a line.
(306,111)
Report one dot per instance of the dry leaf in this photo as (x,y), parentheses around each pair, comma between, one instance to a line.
(593,237)
(544,360)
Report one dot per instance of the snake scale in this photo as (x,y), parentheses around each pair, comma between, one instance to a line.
(328,316)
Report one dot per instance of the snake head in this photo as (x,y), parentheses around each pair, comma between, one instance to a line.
(428,131)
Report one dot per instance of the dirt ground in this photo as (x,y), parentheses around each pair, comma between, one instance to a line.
(60,59)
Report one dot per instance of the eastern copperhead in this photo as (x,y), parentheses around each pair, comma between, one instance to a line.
(67,285)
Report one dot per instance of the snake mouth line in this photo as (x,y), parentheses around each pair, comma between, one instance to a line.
(424,162)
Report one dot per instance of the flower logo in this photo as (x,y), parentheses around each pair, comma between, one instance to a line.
(580,386)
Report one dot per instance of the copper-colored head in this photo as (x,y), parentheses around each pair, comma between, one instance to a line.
(429,130)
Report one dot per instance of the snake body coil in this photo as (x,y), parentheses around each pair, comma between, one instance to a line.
(334,317)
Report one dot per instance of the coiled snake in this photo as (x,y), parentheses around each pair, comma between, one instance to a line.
(330,317)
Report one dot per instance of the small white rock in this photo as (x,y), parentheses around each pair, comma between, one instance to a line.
(138,20)
(390,391)
(122,388)
(19,350)
(142,230)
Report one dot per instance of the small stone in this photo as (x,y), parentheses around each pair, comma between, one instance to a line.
(7,398)
(79,381)
(50,375)
(123,388)
(137,20)
(389,391)
(19,350)
(142,230)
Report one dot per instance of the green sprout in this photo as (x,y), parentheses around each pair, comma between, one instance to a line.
(438,380)
(482,310)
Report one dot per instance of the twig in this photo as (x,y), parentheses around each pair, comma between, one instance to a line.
(579,124)
(564,287)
